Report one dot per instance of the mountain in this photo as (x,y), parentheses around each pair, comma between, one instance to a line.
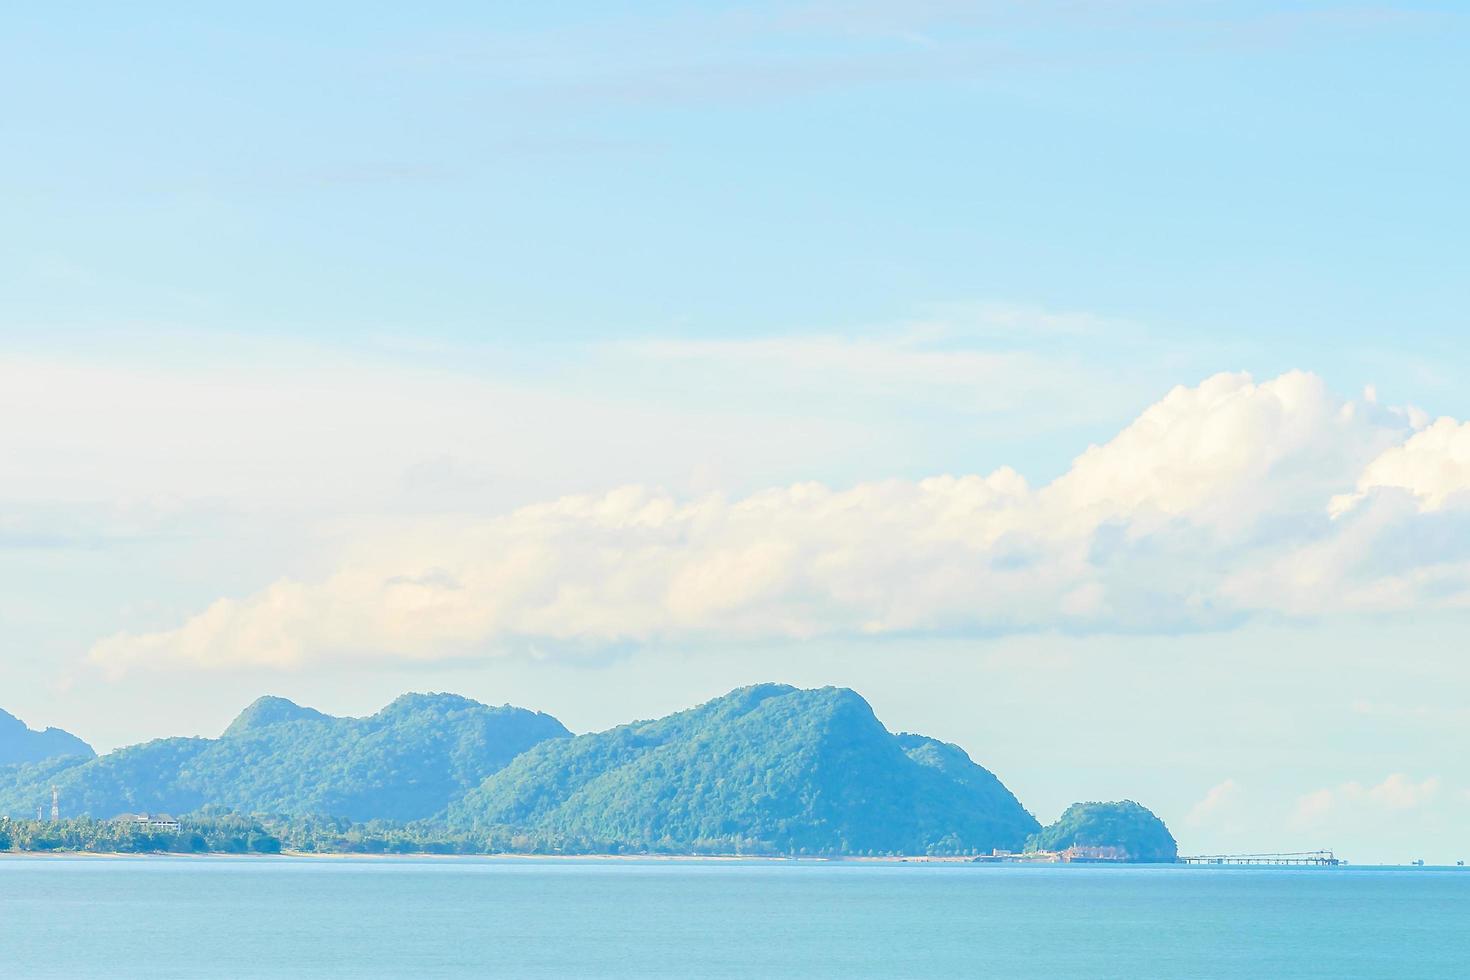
(19,744)
(769,769)
(407,762)
(1128,825)
(268,710)
(763,769)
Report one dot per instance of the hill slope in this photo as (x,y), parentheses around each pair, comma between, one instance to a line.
(767,768)
(19,744)
(1126,824)
(406,762)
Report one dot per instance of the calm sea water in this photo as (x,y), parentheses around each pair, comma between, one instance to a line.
(201,918)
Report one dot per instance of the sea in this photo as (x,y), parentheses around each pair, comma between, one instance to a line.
(204,917)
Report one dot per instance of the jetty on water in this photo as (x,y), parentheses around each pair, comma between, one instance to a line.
(1318,858)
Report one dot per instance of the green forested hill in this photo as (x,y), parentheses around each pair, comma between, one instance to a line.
(1126,824)
(764,769)
(768,769)
(406,762)
(267,711)
(19,744)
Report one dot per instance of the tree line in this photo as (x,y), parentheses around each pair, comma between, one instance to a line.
(230,833)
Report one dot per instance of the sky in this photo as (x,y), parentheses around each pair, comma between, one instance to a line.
(1080,382)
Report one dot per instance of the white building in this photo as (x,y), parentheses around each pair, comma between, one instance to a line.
(158,823)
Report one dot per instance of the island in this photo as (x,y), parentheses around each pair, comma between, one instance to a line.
(768,770)
(1122,831)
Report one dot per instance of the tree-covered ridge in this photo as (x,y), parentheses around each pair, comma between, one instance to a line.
(19,744)
(1125,824)
(765,769)
(407,762)
(270,710)
(768,769)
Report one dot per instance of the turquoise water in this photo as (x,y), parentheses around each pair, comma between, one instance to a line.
(83,917)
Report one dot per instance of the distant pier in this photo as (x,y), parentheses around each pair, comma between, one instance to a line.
(1076,854)
(1325,859)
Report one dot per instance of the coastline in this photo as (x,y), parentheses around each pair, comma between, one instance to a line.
(715,859)
(682,858)
(513,856)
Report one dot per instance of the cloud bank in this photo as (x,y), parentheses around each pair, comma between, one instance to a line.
(1397,792)
(1219,503)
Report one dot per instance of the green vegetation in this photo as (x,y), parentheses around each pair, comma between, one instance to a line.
(267,711)
(19,744)
(766,769)
(225,835)
(1128,825)
(407,762)
(228,833)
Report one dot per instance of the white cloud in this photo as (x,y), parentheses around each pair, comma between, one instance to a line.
(1211,507)
(1224,454)
(1434,466)
(1396,793)
(1313,807)
(1217,805)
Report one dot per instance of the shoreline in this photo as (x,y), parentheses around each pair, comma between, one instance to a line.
(667,859)
(515,856)
(714,859)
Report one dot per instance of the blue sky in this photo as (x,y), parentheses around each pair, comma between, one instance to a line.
(325,297)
